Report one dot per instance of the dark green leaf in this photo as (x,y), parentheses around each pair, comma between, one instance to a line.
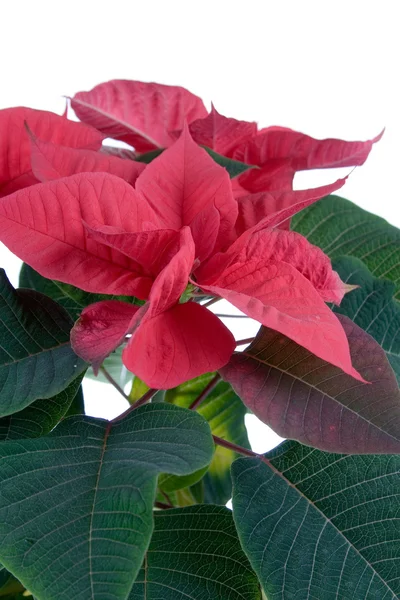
(171,483)
(234,167)
(41,416)
(320,526)
(147,157)
(73,299)
(341,228)
(305,398)
(77,406)
(195,554)
(372,306)
(76,505)
(225,414)
(36,358)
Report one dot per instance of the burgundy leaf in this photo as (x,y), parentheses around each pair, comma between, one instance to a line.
(307,399)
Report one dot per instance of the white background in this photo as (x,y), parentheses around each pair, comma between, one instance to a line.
(329,69)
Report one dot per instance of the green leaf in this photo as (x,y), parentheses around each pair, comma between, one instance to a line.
(320,525)
(225,414)
(171,483)
(341,228)
(147,157)
(77,406)
(371,307)
(138,389)
(36,358)
(41,416)
(73,299)
(76,505)
(234,167)
(10,587)
(195,554)
(307,399)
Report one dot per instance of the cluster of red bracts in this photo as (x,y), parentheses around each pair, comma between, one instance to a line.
(167,232)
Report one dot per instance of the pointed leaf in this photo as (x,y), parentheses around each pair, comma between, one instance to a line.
(36,359)
(72,299)
(44,226)
(339,228)
(183,183)
(278,296)
(15,151)
(220,133)
(185,561)
(319,525)
(303,151)
(273,209)
(225,414)
(51,161)
(304,398)
(138,113)
(81,529)
(234,167)
(41,416)
(371,306)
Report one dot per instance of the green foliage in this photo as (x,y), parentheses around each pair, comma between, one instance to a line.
(77,520)
(371,306)
(41,416)
(225,414)
(36,358)
(341,228)
(185,561)
(319,525)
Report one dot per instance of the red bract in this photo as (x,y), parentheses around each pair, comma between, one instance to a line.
(281,152)
(150,115)
(180,226)
(144,115)
(15,147)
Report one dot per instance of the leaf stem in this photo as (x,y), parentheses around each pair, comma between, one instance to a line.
(162,505)
(245,341)
(207,390)
(231,446)
(113,382)
(232,316)
(142,400)
(212,301)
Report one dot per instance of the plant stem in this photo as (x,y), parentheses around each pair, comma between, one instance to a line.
(162,505)
(245,341)
(231,446)
(212,301)
(145,398)
(203,395)
(113,382)
(232,316)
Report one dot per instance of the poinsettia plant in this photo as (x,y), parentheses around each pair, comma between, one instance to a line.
(126,252)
